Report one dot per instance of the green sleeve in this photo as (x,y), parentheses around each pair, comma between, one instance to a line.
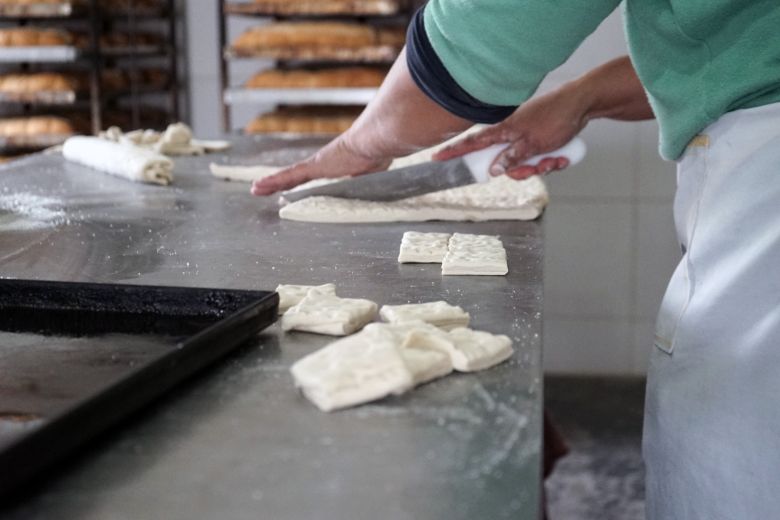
(500,50)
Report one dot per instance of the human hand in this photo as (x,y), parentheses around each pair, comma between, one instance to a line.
(336,159)
(543,124)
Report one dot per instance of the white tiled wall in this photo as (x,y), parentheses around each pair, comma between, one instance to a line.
(610,238)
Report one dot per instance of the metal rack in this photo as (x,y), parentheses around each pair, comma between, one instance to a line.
(94,20)
(359,10)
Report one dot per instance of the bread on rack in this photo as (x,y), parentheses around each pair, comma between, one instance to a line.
(31,82)
(35,126)
(34,37)
(322,7)
(344,35)
(328,120)
(119,40)
(338,77)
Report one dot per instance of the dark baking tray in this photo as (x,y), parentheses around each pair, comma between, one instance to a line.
(199,325)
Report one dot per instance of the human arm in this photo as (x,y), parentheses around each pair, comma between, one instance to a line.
(400,120)
(549,121)
(468,62)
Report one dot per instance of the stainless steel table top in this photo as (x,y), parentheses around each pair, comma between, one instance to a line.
(239,442)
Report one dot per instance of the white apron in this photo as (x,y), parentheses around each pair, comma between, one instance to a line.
(712,416)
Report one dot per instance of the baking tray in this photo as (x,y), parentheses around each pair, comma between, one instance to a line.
(304,96)
(104,352)
(39,54)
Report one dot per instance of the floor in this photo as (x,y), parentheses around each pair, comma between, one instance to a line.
(602,477)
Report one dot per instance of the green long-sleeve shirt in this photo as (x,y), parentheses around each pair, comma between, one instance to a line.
(697,59)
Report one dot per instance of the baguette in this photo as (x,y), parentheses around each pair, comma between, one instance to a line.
(35,126)
(341,77)
(34,37)
(305,120)
(342,35)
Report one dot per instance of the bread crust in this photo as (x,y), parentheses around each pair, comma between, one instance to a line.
(342,35)
(340,77)
(33,37)
(325,120)
(35,126)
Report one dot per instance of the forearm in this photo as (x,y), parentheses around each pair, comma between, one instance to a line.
(401,119)
(612,91)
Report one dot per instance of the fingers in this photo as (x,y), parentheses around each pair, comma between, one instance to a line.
(511,158)
(545,166)
(469,144)
(284,180)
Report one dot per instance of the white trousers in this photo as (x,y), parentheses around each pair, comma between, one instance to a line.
(712,416)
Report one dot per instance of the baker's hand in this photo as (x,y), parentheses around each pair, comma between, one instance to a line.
(543,124)
(337,159)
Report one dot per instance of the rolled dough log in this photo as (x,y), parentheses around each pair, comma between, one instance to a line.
(123,160)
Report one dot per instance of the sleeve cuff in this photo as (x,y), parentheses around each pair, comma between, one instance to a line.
(430,75)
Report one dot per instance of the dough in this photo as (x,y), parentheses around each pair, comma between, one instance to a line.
(475,255)
(499,199)
(290,295)
(439,314)
(177,139)
(243,173)
(354,370)
(390,359)
(476,350)
(123,160)
(329,314)
(423,247)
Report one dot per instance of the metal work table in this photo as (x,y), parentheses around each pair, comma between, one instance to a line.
(239,442)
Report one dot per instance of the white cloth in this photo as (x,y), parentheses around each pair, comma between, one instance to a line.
(712,421)
(123,160)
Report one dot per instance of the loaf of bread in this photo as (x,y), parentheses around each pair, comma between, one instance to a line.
(343,35)
(33,37)
(328,120)
(340,77)
(27,83)
(35,126)
(322,7)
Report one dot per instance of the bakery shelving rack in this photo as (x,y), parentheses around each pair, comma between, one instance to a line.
(374,12)
(93,53)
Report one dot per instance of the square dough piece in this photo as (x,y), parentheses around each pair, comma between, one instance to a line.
(423,248)
(291,295)
(328,314)
(354,370)
(420,347)
(476,350)
(439,314)
(475,255)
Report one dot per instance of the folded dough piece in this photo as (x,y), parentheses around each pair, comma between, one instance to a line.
(423,247)
(354,370)
(475,255)
(291,295)
(477,350)
(329,314)
(439,314)
(243,173)
(123,160)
